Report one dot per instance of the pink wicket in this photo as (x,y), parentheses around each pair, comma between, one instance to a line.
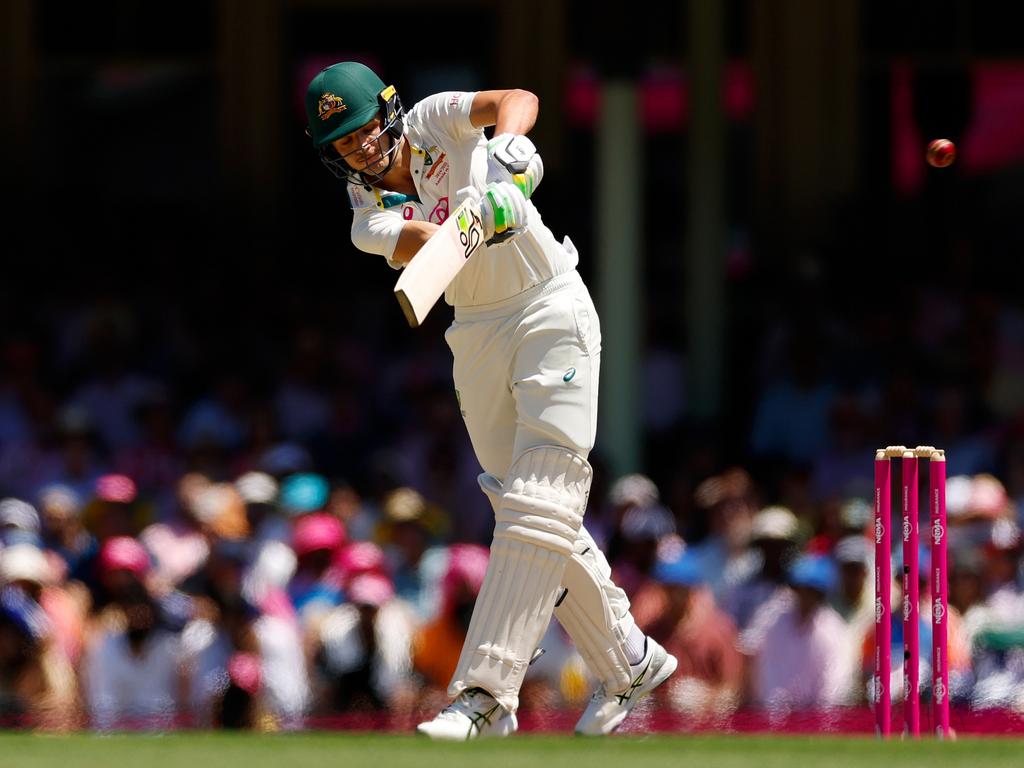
(881,683)
(911,639)
(883,597)
(940,598)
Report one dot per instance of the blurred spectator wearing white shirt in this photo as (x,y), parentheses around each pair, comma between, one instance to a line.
(751,580)
(364,648)
(132,677)
(794,640)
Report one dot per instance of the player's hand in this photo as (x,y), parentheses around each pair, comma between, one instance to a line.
(503,210)
(514,158)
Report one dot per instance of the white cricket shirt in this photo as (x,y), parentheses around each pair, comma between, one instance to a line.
(448,153)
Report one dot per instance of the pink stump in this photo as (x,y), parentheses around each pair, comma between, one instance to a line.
(940,604)
(911,642)
(883,597)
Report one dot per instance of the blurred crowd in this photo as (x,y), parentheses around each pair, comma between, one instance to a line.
(278,600)
(278,528)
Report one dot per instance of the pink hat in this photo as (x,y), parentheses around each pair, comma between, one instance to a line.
(246,671)
(361,557)
(370,589)
(988,498)
(467,566)
(119,488)
(123,553)
(317,531)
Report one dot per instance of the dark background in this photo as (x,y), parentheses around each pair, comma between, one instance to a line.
(166,217)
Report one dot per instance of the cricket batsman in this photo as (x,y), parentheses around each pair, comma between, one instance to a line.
(526,343)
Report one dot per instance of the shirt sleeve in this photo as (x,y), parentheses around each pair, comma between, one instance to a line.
(375,231)
(449,112)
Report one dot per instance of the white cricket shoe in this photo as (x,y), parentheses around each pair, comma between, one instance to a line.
(474,714)
(606,711)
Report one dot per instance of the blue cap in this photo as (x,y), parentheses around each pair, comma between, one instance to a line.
(303,493)
(684,570)
(924,561)
(814,571)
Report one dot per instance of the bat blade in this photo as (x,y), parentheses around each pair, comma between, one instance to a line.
(435,265)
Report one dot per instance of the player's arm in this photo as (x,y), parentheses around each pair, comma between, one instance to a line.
(388,234)
(511,111)
(413,237)
(511,156)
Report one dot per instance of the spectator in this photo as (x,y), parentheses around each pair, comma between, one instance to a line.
(115,508)
(626,493)
(39,576)
(408,531)
(437,644)
(678,610)
(316,586)
(363,648)
(751,580)
(63,532)
(728,503)
(37,685)
(178,543)
(228,621)
(238,706)
(792,641)
(641,531)
(132,670)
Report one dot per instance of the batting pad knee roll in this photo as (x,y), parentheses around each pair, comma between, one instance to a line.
(544,499)
(538,519)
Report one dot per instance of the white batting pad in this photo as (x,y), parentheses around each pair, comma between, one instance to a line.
(538,521)
(596,614)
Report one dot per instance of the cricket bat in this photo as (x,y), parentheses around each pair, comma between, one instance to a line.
(436,264)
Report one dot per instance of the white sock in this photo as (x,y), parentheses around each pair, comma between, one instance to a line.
(635,646)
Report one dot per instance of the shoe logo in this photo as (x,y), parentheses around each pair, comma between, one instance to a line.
(479,719)
(569,375)
(637,682)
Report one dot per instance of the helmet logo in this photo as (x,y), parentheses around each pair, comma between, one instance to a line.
(330,104)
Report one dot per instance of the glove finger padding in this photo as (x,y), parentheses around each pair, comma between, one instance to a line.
(531,177)
(514,158)
(503,211)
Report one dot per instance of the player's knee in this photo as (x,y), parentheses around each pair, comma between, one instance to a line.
(544,497)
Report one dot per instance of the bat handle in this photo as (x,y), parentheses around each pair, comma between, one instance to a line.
(501,237)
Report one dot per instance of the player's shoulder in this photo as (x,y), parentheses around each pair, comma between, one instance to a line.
(365,197)
(361,196)
(438,106)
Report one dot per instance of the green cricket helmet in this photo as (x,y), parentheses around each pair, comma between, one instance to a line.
(343,98)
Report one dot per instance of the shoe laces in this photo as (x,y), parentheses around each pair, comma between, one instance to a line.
(466,700)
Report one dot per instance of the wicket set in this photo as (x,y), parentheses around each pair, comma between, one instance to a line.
(938,580)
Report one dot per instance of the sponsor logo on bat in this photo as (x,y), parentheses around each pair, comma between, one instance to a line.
(470,229)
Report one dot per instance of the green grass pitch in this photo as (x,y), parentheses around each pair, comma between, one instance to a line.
(337,750)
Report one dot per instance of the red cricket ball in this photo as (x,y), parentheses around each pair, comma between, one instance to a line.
(941,152)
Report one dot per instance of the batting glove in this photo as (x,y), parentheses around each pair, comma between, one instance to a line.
(514,158)
(503,210)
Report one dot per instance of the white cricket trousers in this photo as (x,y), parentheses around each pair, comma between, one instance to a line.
(526,375)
